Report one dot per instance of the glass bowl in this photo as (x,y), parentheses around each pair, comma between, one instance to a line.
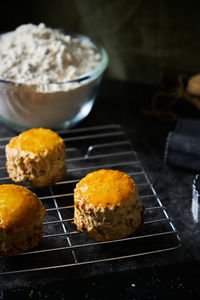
(63,105)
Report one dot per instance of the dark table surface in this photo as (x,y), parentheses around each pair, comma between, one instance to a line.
(168,275)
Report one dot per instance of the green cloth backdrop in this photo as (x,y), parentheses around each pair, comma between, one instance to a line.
(145,40)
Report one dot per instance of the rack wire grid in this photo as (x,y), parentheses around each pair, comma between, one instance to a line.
(87,150)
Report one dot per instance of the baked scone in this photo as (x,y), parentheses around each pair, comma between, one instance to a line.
(106,205)
(21,219)
(37,157)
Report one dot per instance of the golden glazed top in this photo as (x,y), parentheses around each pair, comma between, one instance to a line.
(36,140)
(19,207)
(105,188)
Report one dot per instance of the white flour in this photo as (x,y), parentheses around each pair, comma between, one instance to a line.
(40,55)
(40,60)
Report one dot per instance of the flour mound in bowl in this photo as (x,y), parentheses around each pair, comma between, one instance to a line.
(36,54)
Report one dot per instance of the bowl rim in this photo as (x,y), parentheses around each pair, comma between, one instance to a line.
(85,77)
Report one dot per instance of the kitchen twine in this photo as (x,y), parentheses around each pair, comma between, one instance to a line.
(164,111)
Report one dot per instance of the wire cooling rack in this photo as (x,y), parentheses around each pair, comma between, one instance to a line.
(90,149)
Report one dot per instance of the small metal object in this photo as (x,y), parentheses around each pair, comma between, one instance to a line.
(195,198)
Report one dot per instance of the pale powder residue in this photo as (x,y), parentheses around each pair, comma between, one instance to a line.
(41,61)
(40,55)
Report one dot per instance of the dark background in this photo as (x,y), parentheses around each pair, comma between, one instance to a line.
(149,43)
(146,40)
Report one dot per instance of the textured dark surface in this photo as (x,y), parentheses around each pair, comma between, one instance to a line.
(145,277)
(183,145)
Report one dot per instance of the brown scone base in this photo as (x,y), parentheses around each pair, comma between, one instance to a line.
(37,170)
(107,206)
(21,219)
(110,223)
(16,241)
(31,159)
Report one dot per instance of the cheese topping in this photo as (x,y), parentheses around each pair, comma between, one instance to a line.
(105,188)
(36,140)
(18,206)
